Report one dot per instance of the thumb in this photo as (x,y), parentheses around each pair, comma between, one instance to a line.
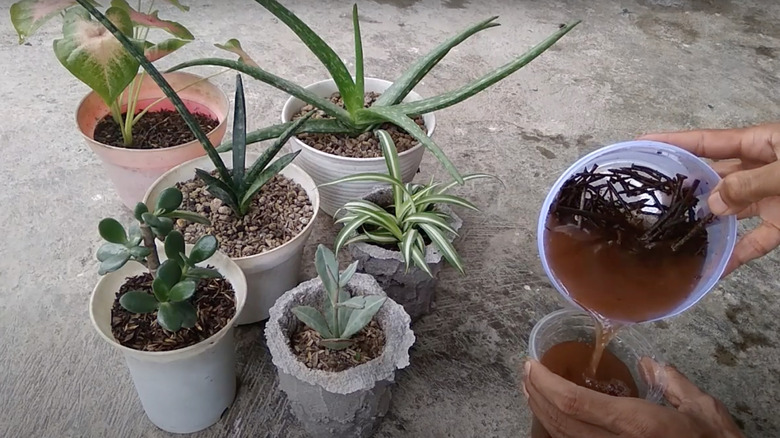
(678,388)
(740,189)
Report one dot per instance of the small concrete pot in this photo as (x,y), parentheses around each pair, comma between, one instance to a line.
(133,170)
(349,403)
(415,289)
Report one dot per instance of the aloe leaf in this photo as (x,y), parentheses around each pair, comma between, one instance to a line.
(174,247)
(234,46)
(338,71)
(111,230)
(451,98)
(94,56)
(430,219)
(188,216)
(169,317)
(405,84)
(296,90)
(182,290)
(313,319)
(397,117)
(444,245)
(345,233)
(27,16)
(266,176)
(359,75)
(360,318)
(347,274)
(239,139)
(327,126)
(203,249)
(164,48)
(136,301)
(219,189)
(113,263)
(153,21)
(269,154)
(169,200)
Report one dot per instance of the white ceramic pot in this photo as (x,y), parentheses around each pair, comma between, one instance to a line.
(133,170)
(185,390)
(324,167)
(271,273)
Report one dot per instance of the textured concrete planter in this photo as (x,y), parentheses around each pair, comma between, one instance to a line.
(349,403)
(415,289)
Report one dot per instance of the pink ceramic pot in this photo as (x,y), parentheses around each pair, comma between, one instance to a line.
(134,170)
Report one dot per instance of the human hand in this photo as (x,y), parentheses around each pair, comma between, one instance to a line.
(747,160)
(570,411)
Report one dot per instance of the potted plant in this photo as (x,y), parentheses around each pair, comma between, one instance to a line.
(338,141)
(401,235)
(336,342)
(171,314)
(126,119)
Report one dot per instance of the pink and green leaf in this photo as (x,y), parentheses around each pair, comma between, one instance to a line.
(234,46)
(27,16)
(153,52)
(153,21)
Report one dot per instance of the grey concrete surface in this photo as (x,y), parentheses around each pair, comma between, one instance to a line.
(633,66)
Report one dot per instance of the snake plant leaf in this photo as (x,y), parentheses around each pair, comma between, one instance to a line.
(360,80)
(234,46)
(322,126)
(136,301)
(198,272)
(92,54)
(169,317)
(347,274)
(164,48)
(153,21)
(360,318)
(262,161)
(182,290)
(239,139)
(174,247)
(451,98)
(113,263)
(338,71)
(27,16)
(219,188)
(169,200)
(188,313)
(266,176)
(109,249)
(444,245)
(178,4)
(169,273)
(203,249)
(111,230)
(313,319)
(405,84)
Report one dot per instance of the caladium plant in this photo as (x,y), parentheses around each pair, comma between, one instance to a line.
(175,280)
(341,315)
(95,57)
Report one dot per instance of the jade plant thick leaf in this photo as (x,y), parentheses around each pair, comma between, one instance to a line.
(341,315)
(409,220)
(355,119)
(95,57)
(175,280)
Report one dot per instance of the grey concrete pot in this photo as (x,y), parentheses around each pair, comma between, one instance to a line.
(415,289)
(350,403)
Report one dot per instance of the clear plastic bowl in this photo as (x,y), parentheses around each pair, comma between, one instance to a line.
(670,160)
(628,345)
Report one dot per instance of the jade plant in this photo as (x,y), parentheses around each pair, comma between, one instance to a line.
(95,57)
(409,220)
(341,315)
(174,280)
(389,107)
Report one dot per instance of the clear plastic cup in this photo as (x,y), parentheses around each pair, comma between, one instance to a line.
(670,160)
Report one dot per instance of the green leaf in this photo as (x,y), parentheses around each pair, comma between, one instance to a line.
(182,290)
(451,98)
(198,272)
(163,228)
(384,220)
(153,21)
(430,219)
(392,161)
(360,318)
(203,249)
(187,312)
(140,252)
(313,319)
(169,200)
(358,302)
(27,16)
(444,245)
(174,247)
(326,126)
(109,249)
(344,314)
(137,301)
(234,46)
(169,272)
(150,219)
(239,139)
(169,317)
(164,48)
(347,230)
(134,236)
(160,290)
(380,236)
(94,56)
(418,256)
(266,176)
(111,230)
(113,263)
(139,210)
(327,267)
(405,84)
(347,274)
(338,71)
(262,161)
(121,20)
(188,216)
(219,189)
(359,75)
(397,117)
(407,246)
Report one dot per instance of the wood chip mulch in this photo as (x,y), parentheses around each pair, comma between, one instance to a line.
(214,298)
(369,344)
(155,130)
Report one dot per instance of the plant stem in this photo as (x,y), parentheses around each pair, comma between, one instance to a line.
(153,260)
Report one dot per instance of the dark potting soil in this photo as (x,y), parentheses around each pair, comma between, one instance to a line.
(155,130)
(279,212)
(365,145)
(369,343)
(214,299)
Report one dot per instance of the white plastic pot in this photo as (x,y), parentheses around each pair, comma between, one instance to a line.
(271,273)
(185,390)
(133,170)
(324,167)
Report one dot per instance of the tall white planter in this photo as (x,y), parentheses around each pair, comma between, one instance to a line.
(271,273)
(323,167)
(185,390)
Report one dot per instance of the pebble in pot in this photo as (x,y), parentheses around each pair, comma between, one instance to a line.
(337,341)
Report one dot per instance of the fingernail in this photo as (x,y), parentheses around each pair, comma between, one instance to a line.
(527,367)
(717,206)
(525,392)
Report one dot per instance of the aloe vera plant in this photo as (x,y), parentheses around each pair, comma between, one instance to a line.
(342,315)
(175,280)
(410,218)
(95,57)
(354,118)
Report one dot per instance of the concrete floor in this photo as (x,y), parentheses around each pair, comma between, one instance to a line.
(633,66)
